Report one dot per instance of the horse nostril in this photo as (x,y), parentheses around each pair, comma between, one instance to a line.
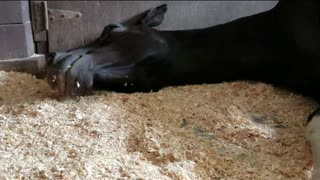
(51,57)
(52,54)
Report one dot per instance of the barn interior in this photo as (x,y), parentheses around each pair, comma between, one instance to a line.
(234,130)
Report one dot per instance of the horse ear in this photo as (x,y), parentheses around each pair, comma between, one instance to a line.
(154,17)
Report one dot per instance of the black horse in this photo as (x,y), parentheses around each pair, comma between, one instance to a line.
(280,47)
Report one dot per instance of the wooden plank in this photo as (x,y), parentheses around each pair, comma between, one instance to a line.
(16,41)
(14,12)
(68,34)
(25,11)
(34,64)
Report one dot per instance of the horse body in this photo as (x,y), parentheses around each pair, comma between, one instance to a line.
(279,47)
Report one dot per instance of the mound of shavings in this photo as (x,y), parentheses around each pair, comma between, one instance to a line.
(235,130)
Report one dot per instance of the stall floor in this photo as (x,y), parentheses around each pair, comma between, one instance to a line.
(237,130)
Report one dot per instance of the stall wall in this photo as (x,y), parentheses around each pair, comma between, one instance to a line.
(73,33)
(15,30)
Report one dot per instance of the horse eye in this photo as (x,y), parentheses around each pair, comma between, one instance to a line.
(89,52)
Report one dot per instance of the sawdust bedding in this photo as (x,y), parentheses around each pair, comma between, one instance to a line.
(232,130)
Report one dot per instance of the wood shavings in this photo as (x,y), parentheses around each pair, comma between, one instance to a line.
(222,131)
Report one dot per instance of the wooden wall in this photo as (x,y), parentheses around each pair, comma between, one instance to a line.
(15,30)
(73,33)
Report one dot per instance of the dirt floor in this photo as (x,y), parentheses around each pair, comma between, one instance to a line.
(223,131)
